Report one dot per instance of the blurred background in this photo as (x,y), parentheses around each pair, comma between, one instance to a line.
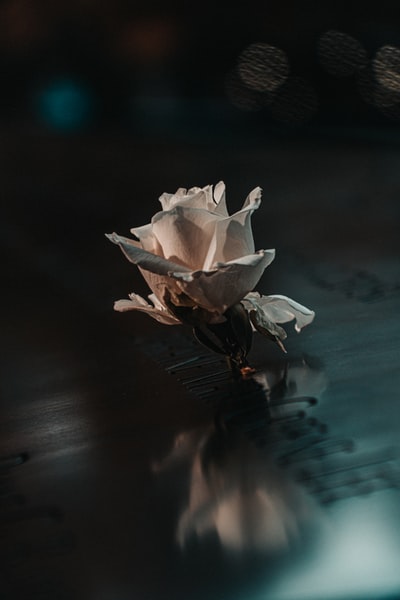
(184,69)
(105,106)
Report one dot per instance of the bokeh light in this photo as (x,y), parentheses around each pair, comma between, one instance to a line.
(148,40)
(149,64)
(64,105)
(373,92)
(263,67)
(296,102)
(22,25)
(340,54)
(386,65)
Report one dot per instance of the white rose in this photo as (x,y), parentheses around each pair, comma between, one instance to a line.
(198,260)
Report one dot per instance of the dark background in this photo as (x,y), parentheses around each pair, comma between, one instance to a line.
(166,69)
(104,106)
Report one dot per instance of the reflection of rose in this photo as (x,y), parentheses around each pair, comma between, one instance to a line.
(298,377)
(237,493)
(235,490)
(199,261)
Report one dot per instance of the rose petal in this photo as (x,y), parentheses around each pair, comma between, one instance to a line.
(223,287)
(185,235)
(265,326)
(154,269)
(160,283)
(154,300)
(148,240)
(269,329)
(194,198)
(150,262)
(219,199)
(168,201)
(233,236)
(280,309)
(248,260)
(136,302)
(253,197)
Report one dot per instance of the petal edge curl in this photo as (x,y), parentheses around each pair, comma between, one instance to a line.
(136,302)
(280,309)
(226,285)
(146,260)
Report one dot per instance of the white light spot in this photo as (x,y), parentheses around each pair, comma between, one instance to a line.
(386,65)
(263,67)
(376,94)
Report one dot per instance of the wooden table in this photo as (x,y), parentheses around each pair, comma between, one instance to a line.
(102,447)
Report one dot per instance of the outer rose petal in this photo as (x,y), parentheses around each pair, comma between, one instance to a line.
(136,302)
(148,240)
(160,283)
(223,287)
(233,236)
(253,197)
(279,309)
(265,326)
(155,269)
(146,260)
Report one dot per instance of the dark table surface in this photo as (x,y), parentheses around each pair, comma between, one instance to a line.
(124,476)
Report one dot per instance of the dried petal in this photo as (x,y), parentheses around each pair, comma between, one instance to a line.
(136,302)
(279,309)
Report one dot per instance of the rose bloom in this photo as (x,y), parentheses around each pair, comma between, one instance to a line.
(199,261)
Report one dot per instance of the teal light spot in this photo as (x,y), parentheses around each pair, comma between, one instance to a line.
(65,105)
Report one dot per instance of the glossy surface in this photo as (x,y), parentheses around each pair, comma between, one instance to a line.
(124,472)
